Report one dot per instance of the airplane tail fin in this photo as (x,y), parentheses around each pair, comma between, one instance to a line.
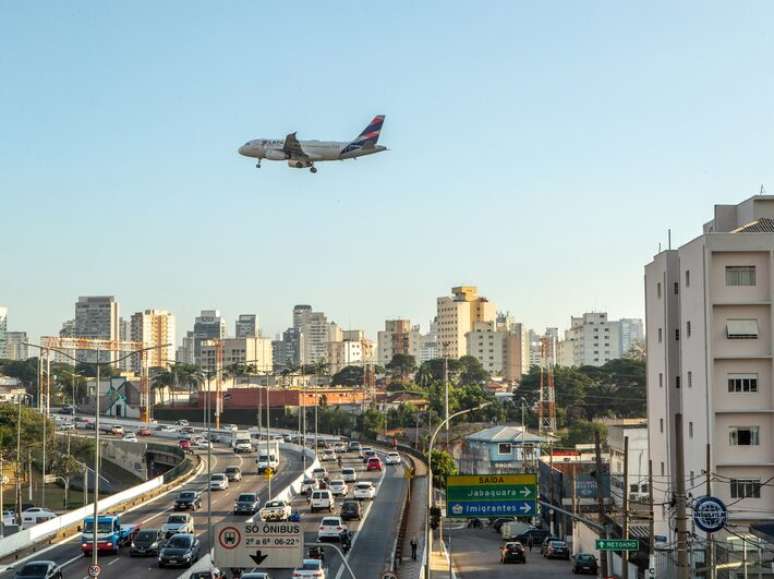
(369,136)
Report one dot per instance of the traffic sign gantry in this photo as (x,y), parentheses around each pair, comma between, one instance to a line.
(491,495)
(618,544)
(262,544)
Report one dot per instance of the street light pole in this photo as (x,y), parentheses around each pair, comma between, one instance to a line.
(428,529)
(208,405)
(95,522)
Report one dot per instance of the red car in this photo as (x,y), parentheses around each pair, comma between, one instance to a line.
(143,432)
(185,444)
(374,463)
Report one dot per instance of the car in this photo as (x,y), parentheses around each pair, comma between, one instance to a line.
(117,429)
(39,570)
(143,432)
(320,473)
(328,455)
(364,490)
(187,429)
(167,428)
(218,481)
(584,563)
(185,444)
(234,473)
(255,575)
(498,523)
(9,518)
(310,569)
(182,550)
(247,503)
(201,443)
(533,536)
(340,447)
(392,458)
(69,410)
(338,487)
(364,449)
(308,485)
(230,427)
(182,422)
(557,550)
(130,437)
(188,500)
(34,515)
(354,446)
(366,453)
(330,529)
(146,542)
(66,425)
(348,474)
(351,510)
(374,463)
(213,573)
(546,541)
(513,552)
(277,510)
(178,523)
(322,499)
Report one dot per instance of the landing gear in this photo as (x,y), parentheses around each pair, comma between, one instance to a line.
(313,169)
(258,164)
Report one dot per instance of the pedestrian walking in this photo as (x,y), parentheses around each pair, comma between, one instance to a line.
(531,542)
(413,544)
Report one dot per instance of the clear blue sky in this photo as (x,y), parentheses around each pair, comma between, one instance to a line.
(538,150)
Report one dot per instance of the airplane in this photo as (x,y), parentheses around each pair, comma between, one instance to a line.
(303,154)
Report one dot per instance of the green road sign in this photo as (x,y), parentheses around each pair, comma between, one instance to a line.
(493,495)
(618,544)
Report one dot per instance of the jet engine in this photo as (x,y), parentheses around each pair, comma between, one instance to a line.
(297,164)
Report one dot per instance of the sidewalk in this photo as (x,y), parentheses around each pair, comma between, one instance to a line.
(415,527)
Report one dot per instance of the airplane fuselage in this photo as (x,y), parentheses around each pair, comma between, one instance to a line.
(272,150)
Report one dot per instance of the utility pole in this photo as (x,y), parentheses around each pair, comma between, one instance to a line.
(446,387)
(600,499)
(625,554)
(681,518)
(651,524)
(710,551)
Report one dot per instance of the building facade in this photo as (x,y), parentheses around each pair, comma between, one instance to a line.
(246,326)
(16,346)
(709,343)
(316,331)
(155,329)
(209,325)
(185,353)
(632,334)
(496,348)
(3,331)
(456,316)
(636,430)
(398,337)
(97,318)
(500,449)
(255,352)
(592,340)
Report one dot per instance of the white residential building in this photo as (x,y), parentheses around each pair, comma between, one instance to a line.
(3,330)
(16,346)
(316,331)
(97,317)
(709,343)
(593,340)
(631,334)
(66,331)
(154,328)
(636,430)
(456,316)
(255,352)
(497,348)
(185,353)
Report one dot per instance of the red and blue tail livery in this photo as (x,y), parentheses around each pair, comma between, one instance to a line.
(303,154)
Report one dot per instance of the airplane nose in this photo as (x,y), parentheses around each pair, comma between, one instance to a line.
(243,149)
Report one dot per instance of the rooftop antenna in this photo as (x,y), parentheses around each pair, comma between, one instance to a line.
(659,247)
(763,190)
(669,239)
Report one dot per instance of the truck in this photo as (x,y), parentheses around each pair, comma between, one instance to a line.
(241,441)
(268,455)
(111,534)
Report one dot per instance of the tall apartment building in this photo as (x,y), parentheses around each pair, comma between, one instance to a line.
(97,318)
(256,352)
(631,333)
(154,328)
(287,352)
(185,353)
(497,348)
(124,334)
(3,330)
(709,341)
(592,340)
(208,325)
(246,326)
(456,316)
(426,345)
(66,331)
(16,346)
(316,331)
(397,337)
(354,348)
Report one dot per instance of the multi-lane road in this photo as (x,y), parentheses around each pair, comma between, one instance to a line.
(373,540)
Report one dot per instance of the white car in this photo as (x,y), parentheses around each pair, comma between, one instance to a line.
(201,443)
(218,482)
(66,425)
(338,487)
(182,422)
(392,458)
(349,474)
(340,447)
(364,450)
(364,490)
(322,499)
(275,511)
(310,568)
(167,428)
(330,529)
(130,437)
(328,455)
(230,427)
(320,473)
(35,515)
(178,523)
(9,518)
(308,485)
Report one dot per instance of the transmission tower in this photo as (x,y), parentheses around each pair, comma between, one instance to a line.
(547,402)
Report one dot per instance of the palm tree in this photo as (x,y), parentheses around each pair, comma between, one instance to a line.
(162,380)
(424,376)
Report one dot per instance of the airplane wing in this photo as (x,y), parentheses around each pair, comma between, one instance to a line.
(293,148)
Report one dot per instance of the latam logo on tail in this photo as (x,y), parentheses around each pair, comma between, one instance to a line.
(304,154)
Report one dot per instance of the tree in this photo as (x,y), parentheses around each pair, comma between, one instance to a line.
(424,376)
(582,432)
(443,466)
(26,371)
(472,372)
(350,376)
(372,423)
(401,366)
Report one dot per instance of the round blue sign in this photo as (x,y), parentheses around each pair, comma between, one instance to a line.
(709,514)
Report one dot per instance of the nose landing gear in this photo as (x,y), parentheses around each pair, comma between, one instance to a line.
(258,164)
(313,169)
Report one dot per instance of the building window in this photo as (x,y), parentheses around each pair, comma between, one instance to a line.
(741,329)
(745,488)
(660,380)
(688,329)
(740,275)
(661,424)
(690,430)
(742,382)
(677,381)
(692,479)
(658,291)
(677,288)
(744,436)
(677,334)
(504,448)
(690,379)
(659,335)
(662,468)
(687,278)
